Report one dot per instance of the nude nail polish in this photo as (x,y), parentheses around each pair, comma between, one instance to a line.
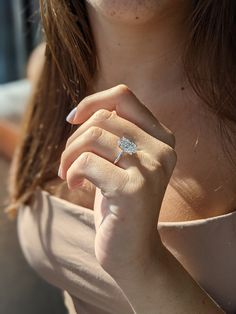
(71,115)
(60,172)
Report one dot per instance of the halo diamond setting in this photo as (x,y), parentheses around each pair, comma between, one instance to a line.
(127,146)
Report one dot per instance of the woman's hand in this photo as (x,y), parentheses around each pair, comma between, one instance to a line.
(128,194)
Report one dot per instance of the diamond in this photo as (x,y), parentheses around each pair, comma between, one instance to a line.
(127,146)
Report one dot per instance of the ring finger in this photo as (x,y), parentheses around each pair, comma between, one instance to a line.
(100,142)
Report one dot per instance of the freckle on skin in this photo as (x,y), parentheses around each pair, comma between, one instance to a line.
(113,13)
(137,18)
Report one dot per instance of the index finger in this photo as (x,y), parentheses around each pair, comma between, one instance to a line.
(121,99)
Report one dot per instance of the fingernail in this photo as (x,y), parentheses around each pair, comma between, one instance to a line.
(71,115)
(60,172)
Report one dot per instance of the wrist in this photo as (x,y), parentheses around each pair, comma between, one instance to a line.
(144,286)
(144,268)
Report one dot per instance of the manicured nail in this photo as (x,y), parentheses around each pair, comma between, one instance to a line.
(60,172)
(71,115)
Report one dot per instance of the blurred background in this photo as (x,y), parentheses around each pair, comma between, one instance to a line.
(21,57)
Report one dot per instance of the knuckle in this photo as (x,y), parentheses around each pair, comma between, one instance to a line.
(84,159)
(123,89)
(123,92)
(102,115)
(94,132)
(86,99)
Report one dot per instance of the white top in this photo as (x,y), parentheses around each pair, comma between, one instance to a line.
(57,239)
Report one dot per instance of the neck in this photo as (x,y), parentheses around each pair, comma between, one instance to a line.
(143,55)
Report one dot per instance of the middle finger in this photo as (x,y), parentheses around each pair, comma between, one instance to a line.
(100,142)
(111,122)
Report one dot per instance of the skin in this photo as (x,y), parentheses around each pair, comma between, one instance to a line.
(144,53)
(129,249)
(89,153)
(153,46)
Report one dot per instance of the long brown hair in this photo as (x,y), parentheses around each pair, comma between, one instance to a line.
(69,68)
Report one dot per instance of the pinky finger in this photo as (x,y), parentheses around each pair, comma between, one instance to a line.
(101,172)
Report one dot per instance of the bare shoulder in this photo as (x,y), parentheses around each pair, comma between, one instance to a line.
(83,196)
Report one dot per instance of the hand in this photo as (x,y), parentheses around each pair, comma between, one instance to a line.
(128,194)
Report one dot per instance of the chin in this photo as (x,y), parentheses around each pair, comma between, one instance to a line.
(129,11)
